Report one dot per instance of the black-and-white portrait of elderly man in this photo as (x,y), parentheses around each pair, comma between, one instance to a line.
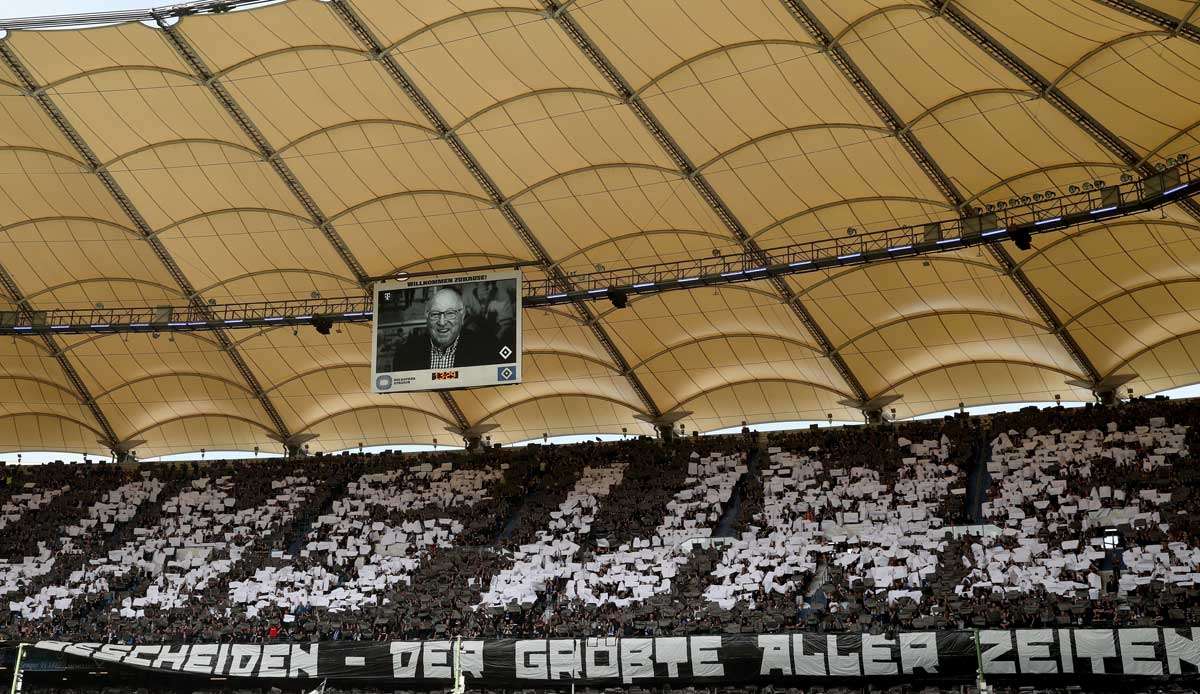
(449,339)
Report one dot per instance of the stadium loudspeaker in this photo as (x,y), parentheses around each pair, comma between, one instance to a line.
(1110,196)
(1022,238)
(323,324)
(976,225)
(1161,182)
(8,319)
(618,298)
(933,233)
(161,315)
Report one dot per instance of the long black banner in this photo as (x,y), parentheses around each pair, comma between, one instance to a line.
(683,660)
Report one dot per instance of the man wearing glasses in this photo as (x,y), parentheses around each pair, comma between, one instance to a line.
(444,344)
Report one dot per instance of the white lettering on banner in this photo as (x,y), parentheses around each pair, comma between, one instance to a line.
(840,665)
(565,660)
(1137,652)
(704,653)
(87,650)
(918,650)
(776,655)
(992,645)
(1065,653)
(1033,649)
(303,662)
(470,658)
(274,660)
(807,664)
(173,657)
(601,668)
(112,652)
(637,659)
(222,659)
(137,658)
(1095,645)
(531,660)
(1129,652)
(1181,648)
(877,655)
(672,651)
(244,660)
(200,660)
(435,660)
(404,659)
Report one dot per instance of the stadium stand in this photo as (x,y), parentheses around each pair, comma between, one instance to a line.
(1087,521)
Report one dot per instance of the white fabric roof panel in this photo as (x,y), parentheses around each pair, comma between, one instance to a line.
(745,92)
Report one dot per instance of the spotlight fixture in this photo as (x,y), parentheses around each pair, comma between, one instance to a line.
(1160,166)
(1181,157)
(323,324)
(1049,195)
(314,295)
(1000,204)
(1087,186)
(1098,184)
(618,298)
(1025,199)
(1126,178)
(991,207)
(1037,197)
(1073,189)
(1022,238)
(851,231)
(1013,202)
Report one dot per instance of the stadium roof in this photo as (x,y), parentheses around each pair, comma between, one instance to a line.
(301,147)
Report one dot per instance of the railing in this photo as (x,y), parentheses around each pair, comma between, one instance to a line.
(1031,215)
(999,221)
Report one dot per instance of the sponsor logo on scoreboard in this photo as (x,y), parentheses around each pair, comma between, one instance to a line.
(444,375)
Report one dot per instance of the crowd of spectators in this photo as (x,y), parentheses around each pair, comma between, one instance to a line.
(1047,517)
(1093,510)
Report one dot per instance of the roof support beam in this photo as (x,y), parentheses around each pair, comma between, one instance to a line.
(370,41)
(455,411)
(85,396)
(561,15)
(874,99)
(1049,91)
(184,48)
(14,63)
(1177,27)
(923,159)
(1035,298)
